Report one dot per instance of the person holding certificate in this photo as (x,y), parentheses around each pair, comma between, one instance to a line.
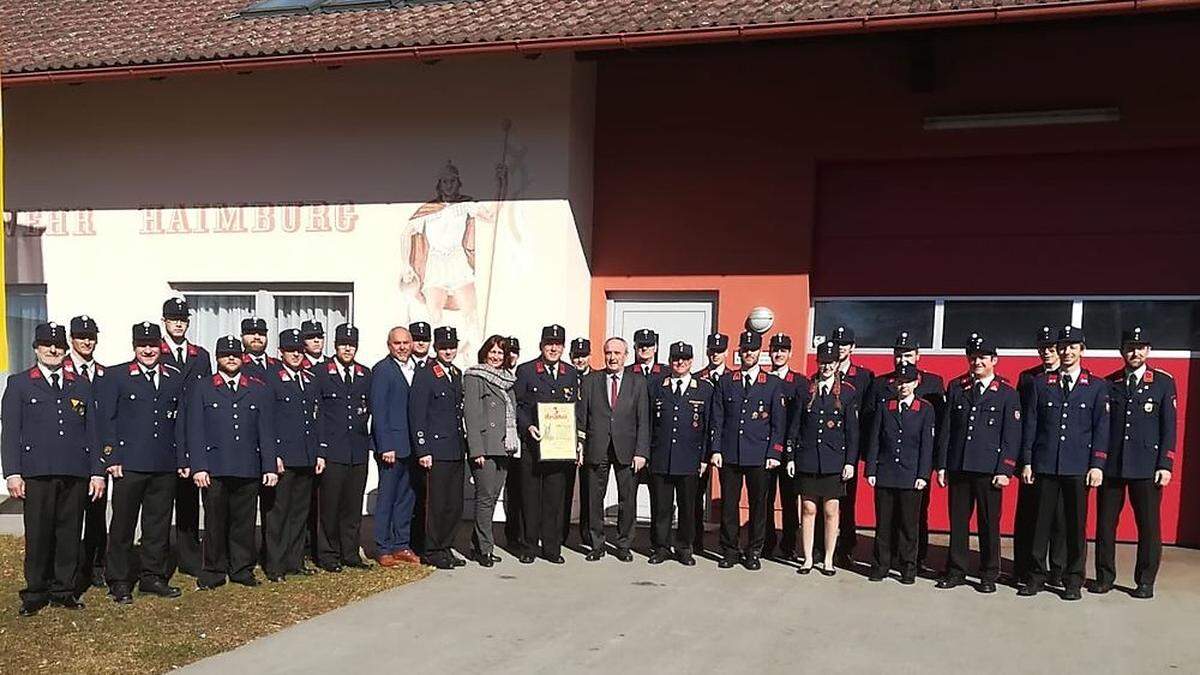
(614,435)
(546,391)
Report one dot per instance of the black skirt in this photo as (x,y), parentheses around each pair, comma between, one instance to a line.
(820,485)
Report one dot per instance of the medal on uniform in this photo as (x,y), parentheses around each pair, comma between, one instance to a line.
(754,416)
(79,407)
(831,424)
(1149,407)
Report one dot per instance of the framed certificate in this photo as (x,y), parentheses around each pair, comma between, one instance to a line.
(556,421)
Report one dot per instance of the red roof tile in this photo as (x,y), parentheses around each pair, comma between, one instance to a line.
(55,35)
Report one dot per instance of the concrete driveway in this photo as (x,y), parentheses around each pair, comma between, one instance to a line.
(635,618)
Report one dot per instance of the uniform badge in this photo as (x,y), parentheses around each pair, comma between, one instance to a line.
(1016,414)
(754,416)
(831,424)
(79,407)
(1149,407)
(107,450)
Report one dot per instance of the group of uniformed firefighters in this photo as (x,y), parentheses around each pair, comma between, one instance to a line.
(292,435)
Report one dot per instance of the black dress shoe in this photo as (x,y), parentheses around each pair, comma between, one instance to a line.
(250,581)
(458,562)
(1072,593)
(494,558)
(687,560)
(485,561)
(1029,590)
(526,559)
(727,563)
(161,589)
(1142,592)
(121,597)
(987,587)
(1100,587)
(595,554)
(66,603)
(752,563)
(948,582)
(805,570)
(275,578)
(1054,580)
(908,578)
(442,562)
(556,559)
(333,567)
(31,607)
(624,555)
(304,570)
(356,564)
(208,585)
(658,558)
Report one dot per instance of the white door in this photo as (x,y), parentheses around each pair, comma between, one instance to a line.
(675,317)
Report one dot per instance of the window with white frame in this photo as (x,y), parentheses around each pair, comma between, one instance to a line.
(1011,323)
(26,308)
(218,309)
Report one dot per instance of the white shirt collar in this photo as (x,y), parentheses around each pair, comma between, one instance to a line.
(1074,373)
(686,379)
(172,343)
(781,372)
(908,400)
(227,378)
(844,366)
(752,372)
(80,361)
(985,381)
(1140,372)
(616,374)
(827,383)
(46,372)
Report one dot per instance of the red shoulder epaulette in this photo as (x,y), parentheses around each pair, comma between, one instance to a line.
(916,406)
(762,377)
(438,371)
(790,377)
(216,380)
(538,367)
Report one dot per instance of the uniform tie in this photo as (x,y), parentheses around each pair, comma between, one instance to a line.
(1066,385)
(179,355)
(612,395)
(679,387)
(1133,381)
(979,389)
(903,408)
(232,384)
(300,380)
(347,378)
(83,370)
(746,381)
(54,381)
(150,378)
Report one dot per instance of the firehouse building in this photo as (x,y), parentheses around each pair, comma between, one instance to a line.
(674,164)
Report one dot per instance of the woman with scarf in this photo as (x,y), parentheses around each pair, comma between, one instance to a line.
(491,420)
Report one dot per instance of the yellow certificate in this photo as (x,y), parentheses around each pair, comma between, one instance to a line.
(556,421)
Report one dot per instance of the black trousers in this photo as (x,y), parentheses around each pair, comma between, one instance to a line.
(779,483)
(577,483)
(542,487)
(419,478)
(340,501)
(973,492)
(187,527)
(53,518)
(698,508)
(1069,493)
(755,479)
(514,530)
(443,507)
(847,524)
(229,529)
(285,510)
(674,493)
(597,487)
(1146,499)
(1026,521)
(897,510)
(152,495)
(94,553)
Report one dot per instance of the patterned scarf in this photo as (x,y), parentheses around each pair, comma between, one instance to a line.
(503,381)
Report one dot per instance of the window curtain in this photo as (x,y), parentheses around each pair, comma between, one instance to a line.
(214,316)
(25,311)
(330,310)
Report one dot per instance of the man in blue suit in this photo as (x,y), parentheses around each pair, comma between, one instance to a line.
(393,453)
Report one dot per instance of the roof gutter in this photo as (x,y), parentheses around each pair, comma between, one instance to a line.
(639,40)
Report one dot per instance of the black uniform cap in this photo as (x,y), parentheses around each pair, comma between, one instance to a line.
(228,346)
(420,330)
(146,334)
(749,341)
(976,344)
(84,326)
(1070,335)
(1045,337)
(291,340)
(906,372)
(680,350)
(253,325)
(514,345)
(827,352)
(311,329)
(50,334)
(718,342)
(842,335)
(345,334)
(176,308)
(644,337)
(1136,336)
(554,335)
(445,337)
(905,342)
(781,341)
(581,347)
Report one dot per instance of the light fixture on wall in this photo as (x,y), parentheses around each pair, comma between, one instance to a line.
(1028,118)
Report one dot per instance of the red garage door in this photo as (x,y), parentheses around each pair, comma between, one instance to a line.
(1072,226)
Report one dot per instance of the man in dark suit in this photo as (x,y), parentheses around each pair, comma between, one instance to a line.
(193,361)
(81,359)
(51,409)
(614,434)
(139,404)
(393,453)
(581,355)
(255,361)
